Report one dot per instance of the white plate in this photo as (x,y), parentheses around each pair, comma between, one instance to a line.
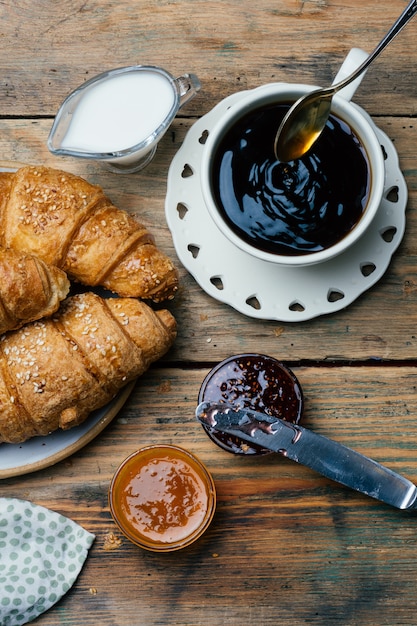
(41,452)
(264,290)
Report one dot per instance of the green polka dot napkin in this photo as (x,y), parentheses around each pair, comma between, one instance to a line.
(41,555)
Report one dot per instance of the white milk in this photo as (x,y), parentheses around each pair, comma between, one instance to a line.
(120,112)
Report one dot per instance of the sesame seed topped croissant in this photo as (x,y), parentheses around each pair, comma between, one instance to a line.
(29,289)
(70,223)
(54,372)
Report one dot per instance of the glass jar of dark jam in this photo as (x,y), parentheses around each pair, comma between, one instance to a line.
(252,381)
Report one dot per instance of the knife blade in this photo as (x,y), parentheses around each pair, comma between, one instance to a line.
(325,456)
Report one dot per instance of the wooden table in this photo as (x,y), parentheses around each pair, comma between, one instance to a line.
(286,546)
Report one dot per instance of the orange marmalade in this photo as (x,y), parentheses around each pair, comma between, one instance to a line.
(162,498)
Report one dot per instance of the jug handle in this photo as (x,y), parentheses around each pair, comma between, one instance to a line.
(188,86)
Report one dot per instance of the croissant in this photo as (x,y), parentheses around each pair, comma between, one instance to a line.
(29,289)
(54,372)
(70,223)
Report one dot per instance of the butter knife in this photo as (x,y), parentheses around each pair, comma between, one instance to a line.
(326,456)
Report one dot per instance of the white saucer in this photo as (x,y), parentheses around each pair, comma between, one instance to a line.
(260,289)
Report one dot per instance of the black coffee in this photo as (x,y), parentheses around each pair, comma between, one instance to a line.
(292,208)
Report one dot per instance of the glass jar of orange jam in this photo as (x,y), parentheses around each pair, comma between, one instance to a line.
(162,498)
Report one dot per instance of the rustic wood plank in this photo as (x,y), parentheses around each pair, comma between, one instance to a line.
(286,546)
(209,330)
(234,45)
(285,543)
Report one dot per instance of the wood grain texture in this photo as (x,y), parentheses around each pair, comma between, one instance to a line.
(209,330)
(286,546)
(233,44)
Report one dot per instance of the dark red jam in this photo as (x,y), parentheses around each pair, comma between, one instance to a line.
(256,382)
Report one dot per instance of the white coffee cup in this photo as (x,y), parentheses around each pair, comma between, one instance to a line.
(343,109)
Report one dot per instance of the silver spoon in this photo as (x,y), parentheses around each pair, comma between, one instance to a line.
(306,119)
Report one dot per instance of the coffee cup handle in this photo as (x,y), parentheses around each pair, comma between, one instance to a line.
(354,59)
(188,85)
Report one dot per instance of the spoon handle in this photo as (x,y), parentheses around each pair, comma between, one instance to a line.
(404,18)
